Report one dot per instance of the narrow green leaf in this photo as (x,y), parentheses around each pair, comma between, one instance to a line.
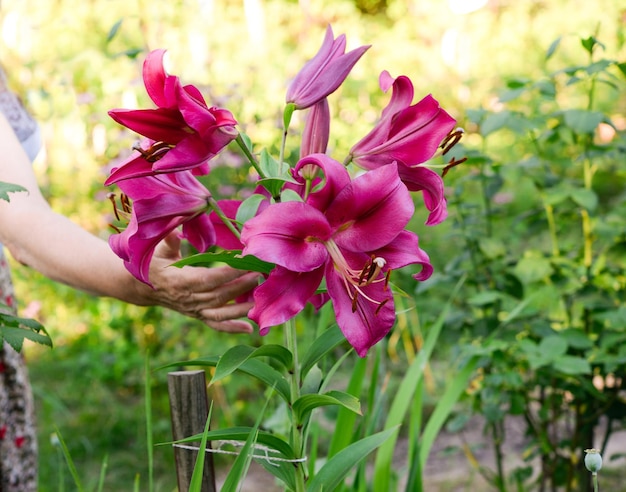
(232,258)
(344,423)
(552,48)
(103,472)
(113,31)
(404,396)
(260,370)
(234,357)
(444,407)
(337,468)
(148,411)
(195,485)
(70,461)
(242,463)
(241,434)
(326,342)
(306,403)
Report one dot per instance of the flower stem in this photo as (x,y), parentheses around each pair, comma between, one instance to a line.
(220,213)
(248,153)
(294,381)
(594,478)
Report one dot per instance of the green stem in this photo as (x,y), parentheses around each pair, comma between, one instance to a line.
(227,222)
(594,478)
(248,153)
(297,439)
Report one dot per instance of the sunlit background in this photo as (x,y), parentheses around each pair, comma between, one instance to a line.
(73,60)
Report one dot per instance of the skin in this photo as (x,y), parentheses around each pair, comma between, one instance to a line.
(61,250)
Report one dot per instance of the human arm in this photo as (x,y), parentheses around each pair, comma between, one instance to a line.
(61,250)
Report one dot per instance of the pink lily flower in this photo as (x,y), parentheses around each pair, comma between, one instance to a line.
(409,135)
(324,73)
(185,131)
(161,204)
(352,236)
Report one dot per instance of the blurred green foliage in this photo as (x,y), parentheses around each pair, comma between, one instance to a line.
(73,60)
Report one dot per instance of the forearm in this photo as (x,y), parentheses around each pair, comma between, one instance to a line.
(62,251)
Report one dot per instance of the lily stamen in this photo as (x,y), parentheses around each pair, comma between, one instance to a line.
(155,152)
(451,140)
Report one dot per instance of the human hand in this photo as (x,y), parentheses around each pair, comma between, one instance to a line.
(203,293)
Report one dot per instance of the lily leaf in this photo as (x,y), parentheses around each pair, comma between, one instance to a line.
(231,258)
(306,403)
(233,358)
(253,367)
(326,342)
(337,468)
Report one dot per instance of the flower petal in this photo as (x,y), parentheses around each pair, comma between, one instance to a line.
(421,178)
(404,250)
(283,295)
(288,234)
(369,323)
(371,211)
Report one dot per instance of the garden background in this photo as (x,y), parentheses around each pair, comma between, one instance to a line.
(535,238)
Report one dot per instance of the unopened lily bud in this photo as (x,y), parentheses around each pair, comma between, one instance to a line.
(593,460)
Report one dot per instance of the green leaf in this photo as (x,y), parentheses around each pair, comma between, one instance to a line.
(15,330)
(572,365)
(553,346)
(69,460)
(113,31)
(622,68)
(444,407)
(253,367)
(326,342)
(232,258)
(344,423)
(585,198)
(552,48)
(249,208)
(306,403)
(6,188)
(241,433)
(403,399)
(195,485)
(582,121)
(337,468)
(485,298)
(531,269)
(233,358)
(494,122)
(576,338)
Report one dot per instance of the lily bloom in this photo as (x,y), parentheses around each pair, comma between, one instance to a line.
(409,135)
(324,73)
(185,131)
(351,236)
(160,205)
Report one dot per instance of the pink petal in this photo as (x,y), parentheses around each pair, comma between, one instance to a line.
(288,234)
(421,178)
(283,295)
(371,211)
(369,323)
(404,250)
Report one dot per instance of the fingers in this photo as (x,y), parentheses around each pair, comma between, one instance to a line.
(225,317)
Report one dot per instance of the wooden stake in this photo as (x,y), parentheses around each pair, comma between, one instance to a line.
(189,410)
